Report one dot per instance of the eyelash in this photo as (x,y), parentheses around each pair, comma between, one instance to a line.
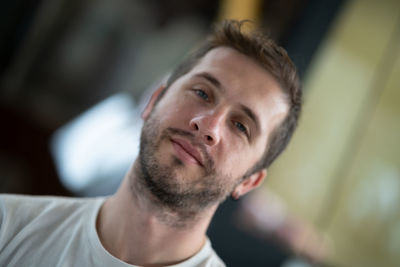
(200,92)
(241,127)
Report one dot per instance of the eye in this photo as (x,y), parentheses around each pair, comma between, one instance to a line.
(240,127)
(201,94)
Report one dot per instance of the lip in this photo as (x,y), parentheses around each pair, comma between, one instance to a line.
(187,151)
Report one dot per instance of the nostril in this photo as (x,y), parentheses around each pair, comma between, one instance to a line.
(196,126)
(209,138)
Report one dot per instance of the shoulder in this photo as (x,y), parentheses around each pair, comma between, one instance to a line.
(33,204)
(12,200)
(214,260)
(22,206)
(18,210)
(206,257)
(42,229)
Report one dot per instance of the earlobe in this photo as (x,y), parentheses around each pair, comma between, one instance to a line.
(250,183)
(150,105)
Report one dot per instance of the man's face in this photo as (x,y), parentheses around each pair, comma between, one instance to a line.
(209,129)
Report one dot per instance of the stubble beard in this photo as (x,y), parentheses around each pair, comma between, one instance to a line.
(185,196)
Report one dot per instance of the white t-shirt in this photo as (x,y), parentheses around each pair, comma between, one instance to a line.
(57,231)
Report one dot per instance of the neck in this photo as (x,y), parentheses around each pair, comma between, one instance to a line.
(137,230)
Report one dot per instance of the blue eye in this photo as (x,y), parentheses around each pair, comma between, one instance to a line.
(201,94)
(240,127)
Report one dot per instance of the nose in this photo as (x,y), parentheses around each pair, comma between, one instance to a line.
(209,127)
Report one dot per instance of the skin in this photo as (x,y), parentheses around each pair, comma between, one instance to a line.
(207,103)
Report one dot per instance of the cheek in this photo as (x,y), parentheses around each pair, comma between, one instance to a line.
(233,155)
(238,158)
(175,114)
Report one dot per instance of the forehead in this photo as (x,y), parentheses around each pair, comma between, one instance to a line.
(245,82)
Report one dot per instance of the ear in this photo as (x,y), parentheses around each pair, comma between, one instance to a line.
(250,183)
(150,105)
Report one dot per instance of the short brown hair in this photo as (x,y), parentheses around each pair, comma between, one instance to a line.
(272,58)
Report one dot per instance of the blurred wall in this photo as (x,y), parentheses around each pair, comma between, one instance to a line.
(341,172)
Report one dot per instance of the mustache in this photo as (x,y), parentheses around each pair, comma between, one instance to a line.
(208,162)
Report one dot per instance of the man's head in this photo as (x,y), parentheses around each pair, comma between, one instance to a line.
(224,116)
(272,58)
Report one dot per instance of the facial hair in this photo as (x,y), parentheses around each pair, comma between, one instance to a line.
(185,195)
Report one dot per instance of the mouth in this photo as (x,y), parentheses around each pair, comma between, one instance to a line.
(186,151)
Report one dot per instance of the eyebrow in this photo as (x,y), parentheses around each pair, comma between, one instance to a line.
(213,80)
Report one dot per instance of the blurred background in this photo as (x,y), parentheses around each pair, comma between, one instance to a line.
(74,76)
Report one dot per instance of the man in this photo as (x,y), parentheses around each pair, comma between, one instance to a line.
(224,115)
